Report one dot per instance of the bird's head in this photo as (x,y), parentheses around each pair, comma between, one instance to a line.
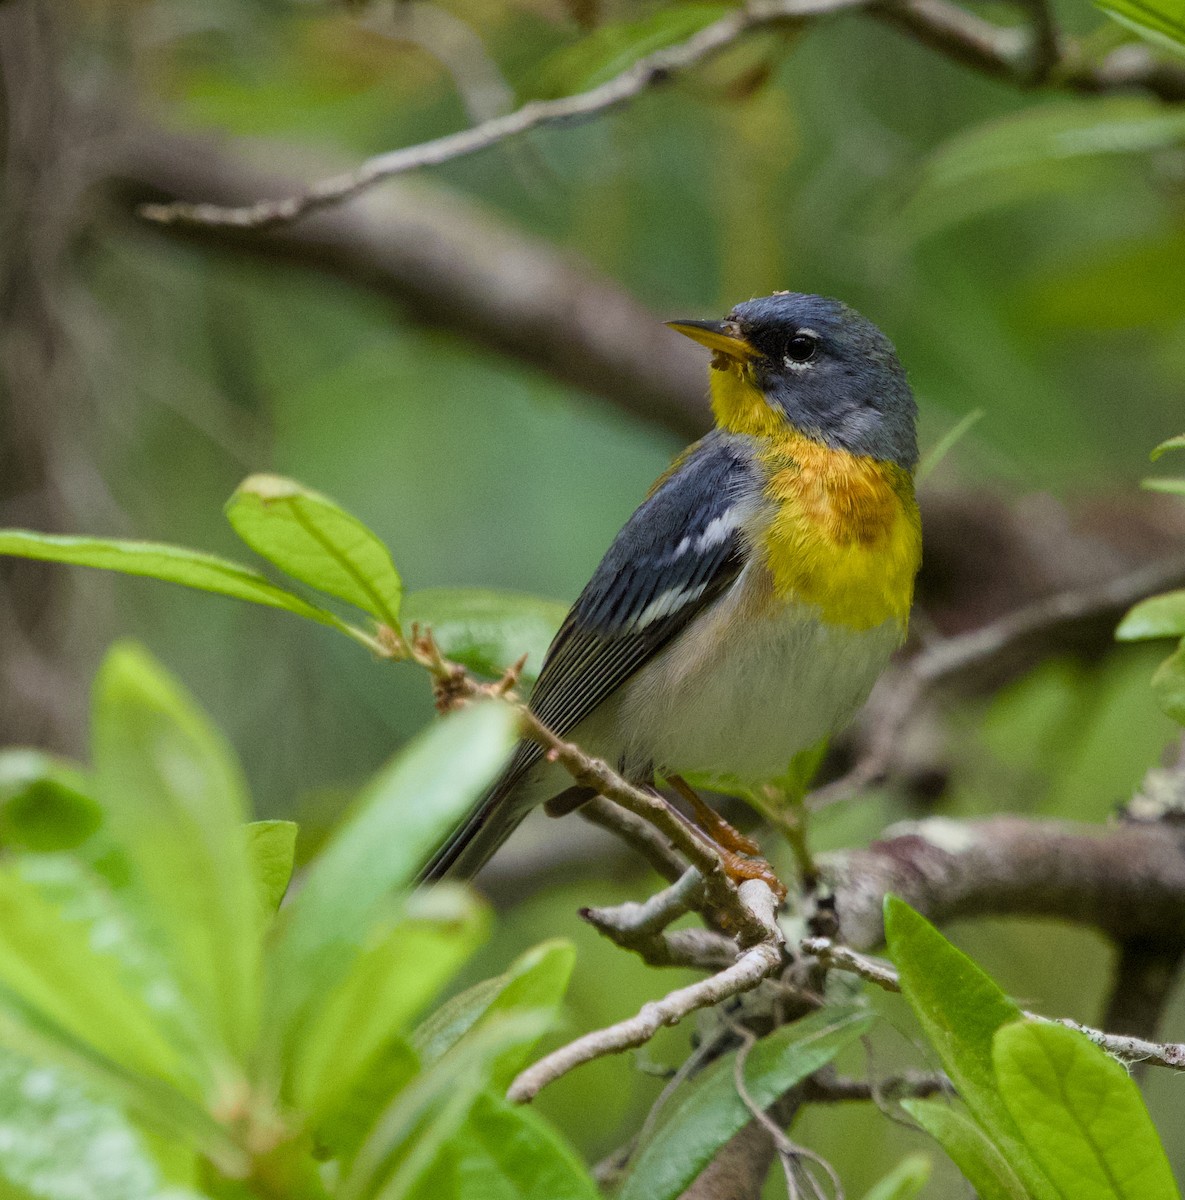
(814,364)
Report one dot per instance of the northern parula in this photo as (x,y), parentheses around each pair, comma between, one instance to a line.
(746,608)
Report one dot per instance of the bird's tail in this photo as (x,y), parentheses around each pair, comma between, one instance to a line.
(471,846)
(494,818)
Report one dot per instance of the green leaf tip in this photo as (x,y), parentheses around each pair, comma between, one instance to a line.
(1173,443)
(316,541)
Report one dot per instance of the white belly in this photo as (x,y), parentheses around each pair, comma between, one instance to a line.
(740,694)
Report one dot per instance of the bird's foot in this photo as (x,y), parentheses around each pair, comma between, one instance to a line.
(741,855)
(724,834)
(739,868)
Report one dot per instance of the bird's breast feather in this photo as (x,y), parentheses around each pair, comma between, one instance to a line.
(843,532)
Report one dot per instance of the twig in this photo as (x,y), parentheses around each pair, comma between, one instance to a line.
(641,927)
(1121,1046)
(1025,57)
(791,1156)
(647,72)
(1142,981)
(944,661)
(640,835)
(757,963)
(828,1088)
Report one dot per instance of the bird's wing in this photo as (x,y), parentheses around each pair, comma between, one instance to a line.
(674,556)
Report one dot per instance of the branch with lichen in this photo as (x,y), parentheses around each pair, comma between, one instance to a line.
(1122,1046)
(756,964)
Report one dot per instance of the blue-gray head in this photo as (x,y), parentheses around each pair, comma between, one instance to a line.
(830,371)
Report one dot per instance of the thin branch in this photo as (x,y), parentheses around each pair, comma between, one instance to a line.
(1126,1048)
(640,835)
(1023,56)
(792,1157)
(757,963)
(650,71)
(1142,982)
(641,927)
(828,1088)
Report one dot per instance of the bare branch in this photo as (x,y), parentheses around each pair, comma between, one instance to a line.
(1142,982)
(1025,56)
(1126,882)
(825,1087)
(641,927)
(640,835)
(1128,1049)
(757,963)
(647,72)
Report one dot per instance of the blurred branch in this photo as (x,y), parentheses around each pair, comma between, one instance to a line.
(1128,1049)
(825,1087)
(1126,882)
(647,72)
(1024,56)
(450,265)
(1028,634)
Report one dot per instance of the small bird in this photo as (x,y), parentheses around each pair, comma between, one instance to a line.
(745,610)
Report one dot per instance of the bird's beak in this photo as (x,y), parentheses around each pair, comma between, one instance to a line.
(723,337)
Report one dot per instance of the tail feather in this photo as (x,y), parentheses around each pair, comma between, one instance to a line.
(493,819)
(474,843)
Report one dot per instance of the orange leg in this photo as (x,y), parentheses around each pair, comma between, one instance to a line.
(726,836)
(740,854)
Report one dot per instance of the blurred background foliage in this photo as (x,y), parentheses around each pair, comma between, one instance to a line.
(1026,252)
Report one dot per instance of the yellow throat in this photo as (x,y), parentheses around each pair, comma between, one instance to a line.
(843,531)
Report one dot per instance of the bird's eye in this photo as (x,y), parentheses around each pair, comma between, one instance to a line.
(801,348)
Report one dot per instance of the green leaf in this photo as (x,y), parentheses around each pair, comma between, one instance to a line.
(1081,1114)
(1031,153)
(57,1142)
(1167,486)
(170,564)
(487,631)
(424,1116)
(1160,21)
(611,48)
(271,851)
(310,538)
(970,1149)
(344,1127)
(710,1111)
(48,964)
(44,802)
(400,817)
(1157,617)
(506,1153)
(33,1033)
(1173,443)
(960,1009)
(535,982)
(86,900)
(904,1181)
(1168,685)
(392,980)
(176,802)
